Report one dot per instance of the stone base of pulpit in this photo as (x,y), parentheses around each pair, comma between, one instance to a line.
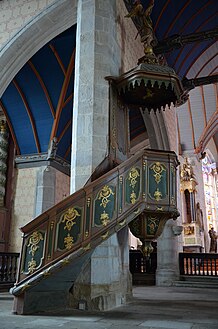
(192,238)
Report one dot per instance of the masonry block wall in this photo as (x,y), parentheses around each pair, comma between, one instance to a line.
(14,14)
(130,46)
(26,198)
(23,205)
(62,186)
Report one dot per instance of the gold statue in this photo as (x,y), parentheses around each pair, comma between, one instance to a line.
(145,24)
(186,173)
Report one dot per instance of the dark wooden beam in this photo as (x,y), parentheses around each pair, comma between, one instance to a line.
(177,41)
(189,84)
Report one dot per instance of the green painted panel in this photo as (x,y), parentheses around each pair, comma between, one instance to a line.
(104,205)
(69,228)
(34,252)
(158,181)
(152,225)
(132,185)
(135,227)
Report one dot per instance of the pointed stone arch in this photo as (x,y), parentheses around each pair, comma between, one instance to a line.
(58,17)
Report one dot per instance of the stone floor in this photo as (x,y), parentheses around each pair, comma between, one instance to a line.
(151,308)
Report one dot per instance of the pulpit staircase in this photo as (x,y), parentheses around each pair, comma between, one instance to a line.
(57,243)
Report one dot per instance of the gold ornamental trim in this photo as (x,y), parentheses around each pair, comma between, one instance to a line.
(68,241)
(133,197)
(34,240)
(122,223)
(137,211)
(133,175)
(65,261)
(133,178)
(105,236)
(86,234)
(69,217)
(153,224)
(104,195)
(158,168)
(31,266)
(46,273)
(105,219)
(144,163)
(157,195)
(88,202)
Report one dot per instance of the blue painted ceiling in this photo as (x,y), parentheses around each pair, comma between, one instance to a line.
(38,103)
(182,17)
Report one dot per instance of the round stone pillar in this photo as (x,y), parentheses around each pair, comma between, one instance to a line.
(167,256)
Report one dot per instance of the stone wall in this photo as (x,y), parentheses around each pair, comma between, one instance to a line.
(36,189)
(130,47)
(14,14)
(62,186)
(171,125)
(23,206)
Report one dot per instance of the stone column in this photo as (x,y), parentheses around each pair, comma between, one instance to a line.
(45,189)
(105,281)
(167,256)
(97,56)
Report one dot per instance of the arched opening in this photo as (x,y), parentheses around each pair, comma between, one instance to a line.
(14,57)
(33,36)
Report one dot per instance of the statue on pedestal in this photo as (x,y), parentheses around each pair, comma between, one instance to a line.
(213,240)
(199,217)
(186,173)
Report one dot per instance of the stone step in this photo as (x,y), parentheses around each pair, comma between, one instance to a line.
(194,284)
(199,278)
(6,296)
(197,282)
